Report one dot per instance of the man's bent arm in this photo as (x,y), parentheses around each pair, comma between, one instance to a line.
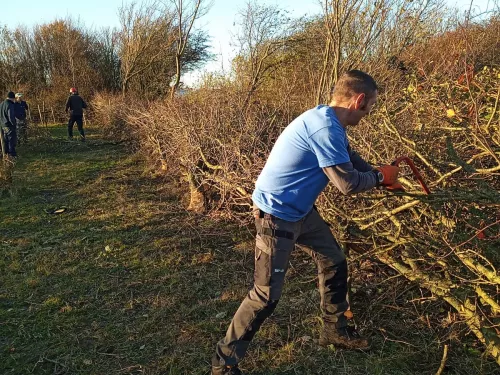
(12,114)
(349,180)
(358,162)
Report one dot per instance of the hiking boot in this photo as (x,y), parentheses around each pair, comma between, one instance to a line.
(218,369)
(226,370)
(345,337)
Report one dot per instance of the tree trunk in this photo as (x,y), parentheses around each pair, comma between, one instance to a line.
(177,76)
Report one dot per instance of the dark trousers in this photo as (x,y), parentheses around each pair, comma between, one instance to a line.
(79,123)
(9,140)
(276,239)
(22,131)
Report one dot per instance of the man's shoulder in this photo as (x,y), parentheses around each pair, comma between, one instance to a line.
(319,118)
(74,98)
(6,106)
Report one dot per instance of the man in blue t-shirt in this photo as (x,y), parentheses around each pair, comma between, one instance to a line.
(311,151)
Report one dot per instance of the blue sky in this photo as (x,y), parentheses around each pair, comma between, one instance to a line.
(219,21)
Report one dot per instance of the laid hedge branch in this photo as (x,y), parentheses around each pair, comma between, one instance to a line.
(477,267)
(388,214)
(441,288)
(443,361)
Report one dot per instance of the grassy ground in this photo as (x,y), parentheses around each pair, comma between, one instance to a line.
(126,281)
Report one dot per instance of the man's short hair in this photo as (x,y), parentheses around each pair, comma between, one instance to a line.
(11,95)
(352,83)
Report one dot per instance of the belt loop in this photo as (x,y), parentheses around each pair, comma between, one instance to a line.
(256,212)
(259,214)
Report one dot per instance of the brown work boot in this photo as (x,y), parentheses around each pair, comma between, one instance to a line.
(218,369)
(345,337)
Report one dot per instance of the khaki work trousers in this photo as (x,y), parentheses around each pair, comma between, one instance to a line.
(275,241)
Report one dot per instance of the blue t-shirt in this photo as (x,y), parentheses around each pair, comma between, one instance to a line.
(293,177)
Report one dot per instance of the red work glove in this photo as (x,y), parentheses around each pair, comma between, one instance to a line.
(395,187)
(389,173)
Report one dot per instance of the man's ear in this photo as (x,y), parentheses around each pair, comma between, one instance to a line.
(359,102)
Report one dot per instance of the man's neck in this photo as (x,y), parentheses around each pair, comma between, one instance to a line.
(341,112)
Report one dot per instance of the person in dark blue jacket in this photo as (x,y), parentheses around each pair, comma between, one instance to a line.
(8,125)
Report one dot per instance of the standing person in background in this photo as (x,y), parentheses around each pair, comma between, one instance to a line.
(8,125)
(310,152)
(21,109)
(75,105)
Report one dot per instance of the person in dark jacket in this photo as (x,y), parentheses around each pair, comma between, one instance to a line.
(75,105)
(21,109)
(8,125)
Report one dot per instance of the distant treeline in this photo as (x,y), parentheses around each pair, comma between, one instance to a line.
(153,45)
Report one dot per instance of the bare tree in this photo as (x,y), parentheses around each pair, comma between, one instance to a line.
(8,55)
(187,12)
(355,30)
(104,59)
(263,37)
(143,37)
